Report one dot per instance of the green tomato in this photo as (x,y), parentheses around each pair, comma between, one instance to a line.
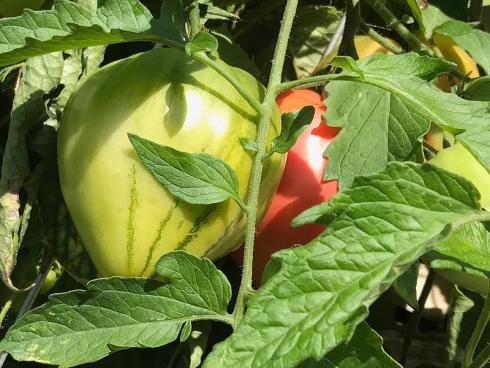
(125,218)
(12,8)
(459,160)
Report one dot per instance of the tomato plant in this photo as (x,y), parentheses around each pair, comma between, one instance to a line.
(143,140)
(125,218)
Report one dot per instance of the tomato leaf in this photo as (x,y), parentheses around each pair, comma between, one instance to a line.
(406,286)
(477,90)
(82,326)
(475,41)
(377,127)
(203,41)
(313,29)
(320,292)
(172,22)
(70,25)
(212,12)
(196,178)
(467,254)
(416,12)
(403,66)
(385,114)
(365,349)
(249,144)
(429,18)
(319,214)
(347,63)
(40,76)
(292,125)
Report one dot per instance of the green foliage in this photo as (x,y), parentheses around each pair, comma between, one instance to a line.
(196,178)
(313,30)
(116,313)
(311,308)
(399,104)
(319,293)
(365,349)
(40,76)
(293,124)
(203,41)
(70,26)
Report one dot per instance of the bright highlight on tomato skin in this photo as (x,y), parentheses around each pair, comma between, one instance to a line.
(301,187)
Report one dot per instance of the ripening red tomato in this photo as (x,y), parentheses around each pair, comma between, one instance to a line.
(301,187)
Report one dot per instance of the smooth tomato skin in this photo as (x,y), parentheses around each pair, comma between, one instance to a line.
(12,8)
(301,187)
(126,219)
(457,159)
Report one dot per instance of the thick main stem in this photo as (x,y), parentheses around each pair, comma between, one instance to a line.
(263,125)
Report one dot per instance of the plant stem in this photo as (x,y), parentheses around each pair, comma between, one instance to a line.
(417,315)
(482,358)
(314,81)
(195,18)
(398,26)
(205,59)
(353,17)
(263,125)
(6,309)
(225,72)
(477,333)
(372,34)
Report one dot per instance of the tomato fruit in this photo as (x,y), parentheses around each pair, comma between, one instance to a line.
(366,46)
(301,186)
(459,160)
(455,53)
(125,218)
(12,8)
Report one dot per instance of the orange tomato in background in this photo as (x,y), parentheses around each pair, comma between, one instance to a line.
(301,187)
